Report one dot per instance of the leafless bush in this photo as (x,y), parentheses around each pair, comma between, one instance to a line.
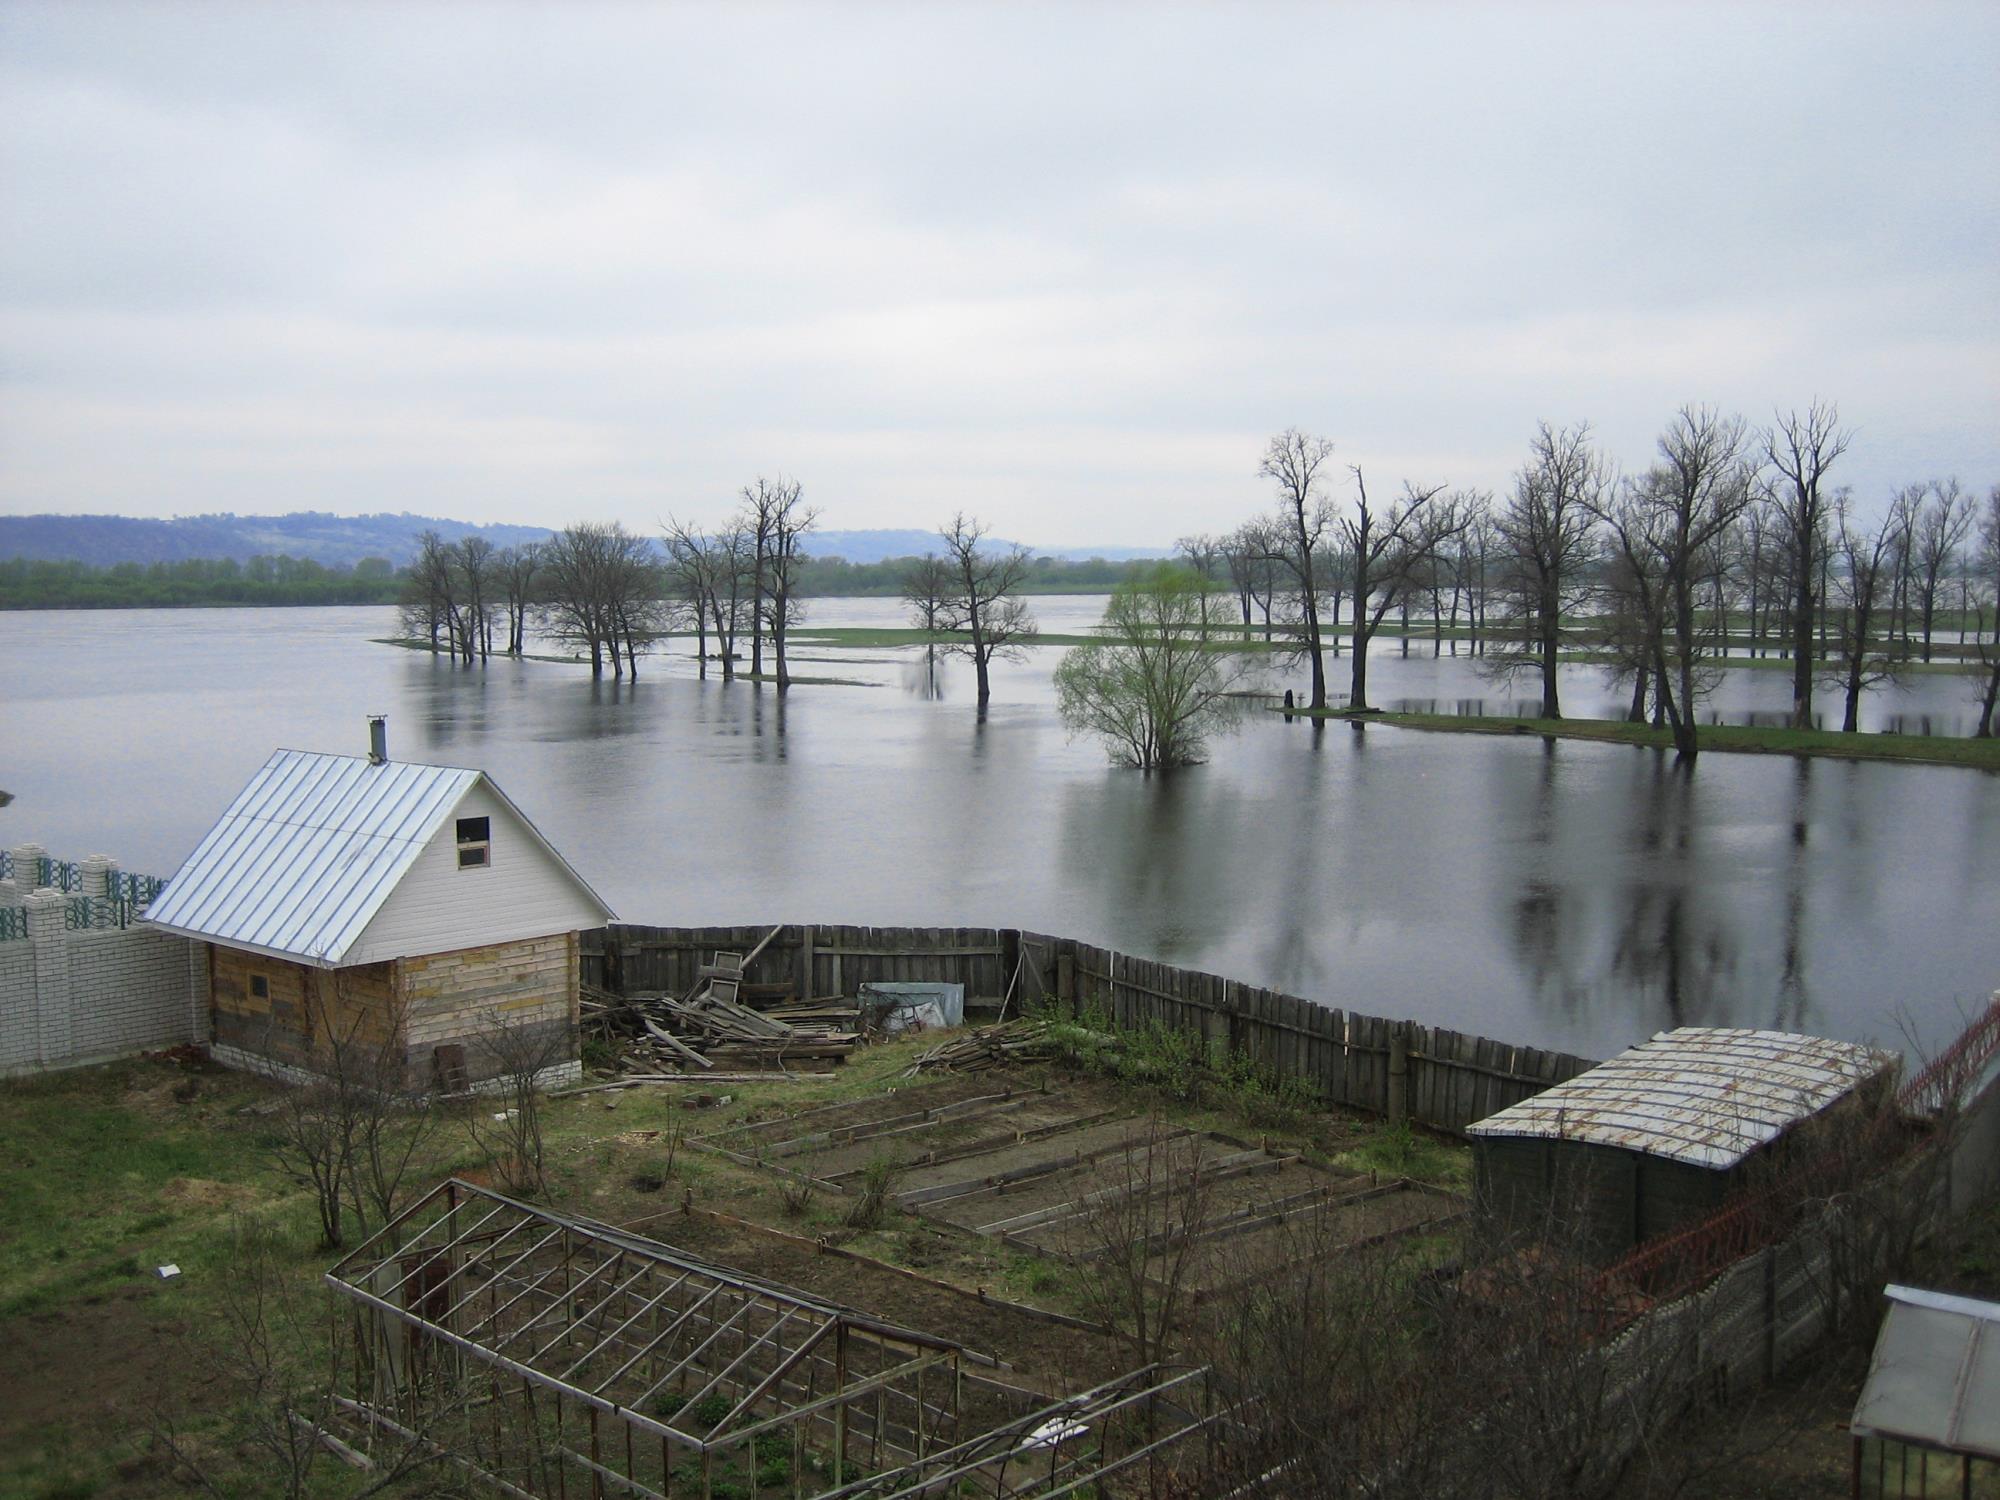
(1140,1236)
(510,1133)
(353,1132)
(1452,1366)
(282,1352)
(800,1187)
(872,1201)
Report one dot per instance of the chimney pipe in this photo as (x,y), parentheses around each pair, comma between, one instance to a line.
(378,739)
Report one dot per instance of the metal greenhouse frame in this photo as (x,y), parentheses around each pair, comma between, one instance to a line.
(552,1357)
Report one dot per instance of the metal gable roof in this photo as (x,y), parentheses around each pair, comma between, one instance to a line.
(308,852)
(1707,1096)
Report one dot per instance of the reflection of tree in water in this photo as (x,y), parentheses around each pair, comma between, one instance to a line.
(925,677)
(1546,936)
(767,725)
(1793,999)
(1160,849)
(1292,958)
(1674,948)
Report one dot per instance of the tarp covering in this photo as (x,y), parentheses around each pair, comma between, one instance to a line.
(911,1003)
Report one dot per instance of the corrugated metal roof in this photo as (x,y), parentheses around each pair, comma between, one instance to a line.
(308,852)
(1935,1376)
(1708,1096)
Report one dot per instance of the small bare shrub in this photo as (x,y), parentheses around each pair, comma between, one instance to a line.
(510,1134)
(872,1200)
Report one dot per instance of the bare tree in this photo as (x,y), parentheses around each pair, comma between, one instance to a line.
(476,567)
(519,568)
(926,582)
(1547,543)
(1802,447)
(429,605)
(984,605)
(1939,524)
(1203,554)
(517,1055)
(1142,1236)
(1635,594)
(1384,550)
(603,594)
(789,519)
(1988,649)
(1703,484)
(354,1130)
(708,570)
(281,1353)
(1294,461)
(756,516)
(1249,554)
(1864,568)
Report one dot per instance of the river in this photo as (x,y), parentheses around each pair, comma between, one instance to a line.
(1562,894)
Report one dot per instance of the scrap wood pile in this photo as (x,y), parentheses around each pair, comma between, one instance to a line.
(655,1032)
(1005,1045)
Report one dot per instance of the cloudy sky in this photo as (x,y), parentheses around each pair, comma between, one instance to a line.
(1066,267)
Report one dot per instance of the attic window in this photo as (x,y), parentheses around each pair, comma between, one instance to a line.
(475,843)
(260,987)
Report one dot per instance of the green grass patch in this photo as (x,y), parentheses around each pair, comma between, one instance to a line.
(111,1171)
(1914,749)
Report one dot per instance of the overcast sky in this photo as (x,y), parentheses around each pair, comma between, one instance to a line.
(1067,267)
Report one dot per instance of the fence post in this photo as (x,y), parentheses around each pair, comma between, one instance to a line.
(28,867)
(96,872)
(1399,1072)
(46,936)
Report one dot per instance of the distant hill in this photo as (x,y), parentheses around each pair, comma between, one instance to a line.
(103,541)
(880,545)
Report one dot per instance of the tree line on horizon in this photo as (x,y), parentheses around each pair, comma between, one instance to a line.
(1730,536)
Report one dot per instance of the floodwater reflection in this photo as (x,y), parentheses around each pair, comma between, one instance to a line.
(1556,893)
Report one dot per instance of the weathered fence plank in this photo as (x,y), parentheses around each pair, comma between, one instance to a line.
(1452,1081)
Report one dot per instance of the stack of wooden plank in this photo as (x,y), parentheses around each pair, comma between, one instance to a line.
(989,1047)
(711,1024)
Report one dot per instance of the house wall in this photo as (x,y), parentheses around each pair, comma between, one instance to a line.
(439,908)
(463,997)
(278,1026)
(305,1009)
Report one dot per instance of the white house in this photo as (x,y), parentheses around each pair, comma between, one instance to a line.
(410,906)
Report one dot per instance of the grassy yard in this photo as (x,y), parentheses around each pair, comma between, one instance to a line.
(114,1171)
(1930,750)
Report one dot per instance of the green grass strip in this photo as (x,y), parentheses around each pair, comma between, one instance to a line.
(1911,749)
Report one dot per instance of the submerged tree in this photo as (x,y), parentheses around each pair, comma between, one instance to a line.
(1305,522)
(1151,690)
(1548,542)
(1988,649)
(1802,447)
(602,594)
(1384,552)
(982,604)
(1861,582)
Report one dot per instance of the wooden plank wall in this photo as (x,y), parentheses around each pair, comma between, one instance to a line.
(842,958)
(1452,1079)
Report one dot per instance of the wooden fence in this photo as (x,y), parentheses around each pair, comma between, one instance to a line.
(1429,1074)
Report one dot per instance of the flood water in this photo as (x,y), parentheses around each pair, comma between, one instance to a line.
(1564,895)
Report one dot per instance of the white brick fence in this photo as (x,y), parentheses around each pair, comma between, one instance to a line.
(77,983)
